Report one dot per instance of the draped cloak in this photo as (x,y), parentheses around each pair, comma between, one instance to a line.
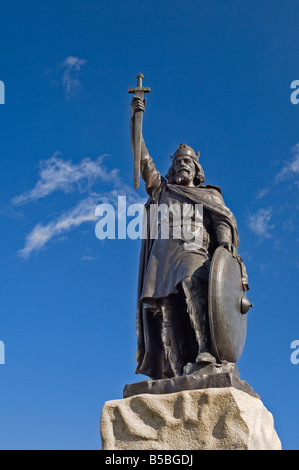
(150,352)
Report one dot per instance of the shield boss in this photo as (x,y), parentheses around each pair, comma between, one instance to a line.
(228,325)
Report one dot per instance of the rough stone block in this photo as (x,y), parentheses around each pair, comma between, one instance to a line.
(208,419)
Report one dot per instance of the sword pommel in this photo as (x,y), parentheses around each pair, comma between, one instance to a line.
(139,79)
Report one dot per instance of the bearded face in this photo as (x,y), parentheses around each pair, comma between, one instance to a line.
(184,170)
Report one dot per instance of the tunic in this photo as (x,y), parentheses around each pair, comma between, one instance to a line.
(174,258)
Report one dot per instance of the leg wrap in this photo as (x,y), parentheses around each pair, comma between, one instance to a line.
(196,296)
(171,341)
(196,307)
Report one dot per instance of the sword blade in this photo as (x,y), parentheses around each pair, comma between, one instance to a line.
(138,116)
(137,147)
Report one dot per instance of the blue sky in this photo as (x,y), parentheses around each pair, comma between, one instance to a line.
(220,74)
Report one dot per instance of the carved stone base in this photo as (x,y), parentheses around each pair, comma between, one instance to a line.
(209,419)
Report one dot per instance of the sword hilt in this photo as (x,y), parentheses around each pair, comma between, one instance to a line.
(139,90)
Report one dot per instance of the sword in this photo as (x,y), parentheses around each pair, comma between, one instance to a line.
(138,91)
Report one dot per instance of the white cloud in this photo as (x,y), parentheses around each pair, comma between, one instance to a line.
(87,258)
(262,193)
(291,168)
(259,222)
(56,174)
(42,234)
(70,76)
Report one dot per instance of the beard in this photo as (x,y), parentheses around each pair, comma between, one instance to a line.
(183,177)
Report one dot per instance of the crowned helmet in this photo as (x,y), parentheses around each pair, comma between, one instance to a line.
(184,149)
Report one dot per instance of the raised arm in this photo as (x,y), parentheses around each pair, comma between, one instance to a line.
(148,170)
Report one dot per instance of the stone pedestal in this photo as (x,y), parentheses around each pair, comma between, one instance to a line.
(223,418)
(221,375)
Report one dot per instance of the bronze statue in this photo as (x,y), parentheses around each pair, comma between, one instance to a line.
(176,327)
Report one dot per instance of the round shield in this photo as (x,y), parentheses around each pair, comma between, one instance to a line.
(228,305)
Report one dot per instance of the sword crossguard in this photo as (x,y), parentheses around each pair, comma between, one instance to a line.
(139,90)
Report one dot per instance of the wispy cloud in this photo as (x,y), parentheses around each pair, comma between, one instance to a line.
(71,67)
(88,258)
(41,235)
(262,193)
(259,222)
(56,174)
(290,168)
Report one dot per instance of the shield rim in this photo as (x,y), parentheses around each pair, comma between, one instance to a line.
(211,305)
